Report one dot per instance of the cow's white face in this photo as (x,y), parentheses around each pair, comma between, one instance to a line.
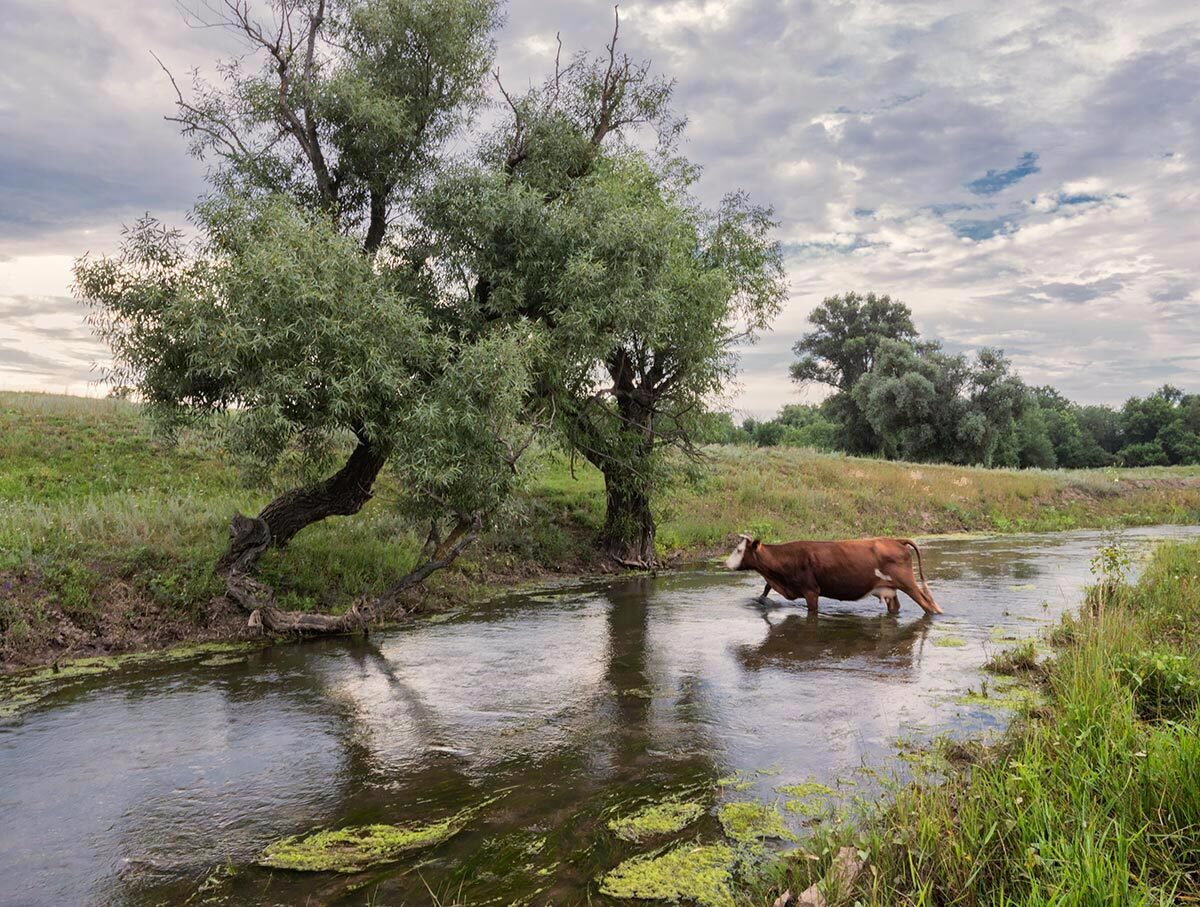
(734,561)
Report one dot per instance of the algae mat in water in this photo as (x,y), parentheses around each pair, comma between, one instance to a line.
(746,821)
(697,873)
(657,819)
(358,847)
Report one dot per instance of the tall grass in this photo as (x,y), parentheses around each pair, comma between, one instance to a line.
(1087,803)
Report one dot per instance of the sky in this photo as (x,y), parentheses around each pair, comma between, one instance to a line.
(1022,175)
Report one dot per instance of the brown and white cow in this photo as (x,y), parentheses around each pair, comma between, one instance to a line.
(847,570)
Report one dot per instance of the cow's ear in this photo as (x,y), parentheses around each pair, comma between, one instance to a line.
(754,544)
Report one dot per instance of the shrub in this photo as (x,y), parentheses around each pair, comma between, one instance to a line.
(1164,686)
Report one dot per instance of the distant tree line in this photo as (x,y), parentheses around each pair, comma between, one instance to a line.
(900,397)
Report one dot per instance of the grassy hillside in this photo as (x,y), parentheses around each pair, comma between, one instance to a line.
(108,536)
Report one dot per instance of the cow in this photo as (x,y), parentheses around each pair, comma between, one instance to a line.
(847,570)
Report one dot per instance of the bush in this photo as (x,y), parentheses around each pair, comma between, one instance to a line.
(1147,453)
(1165,687)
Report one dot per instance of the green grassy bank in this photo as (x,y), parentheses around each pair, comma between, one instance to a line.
(108,536)
(1094,797)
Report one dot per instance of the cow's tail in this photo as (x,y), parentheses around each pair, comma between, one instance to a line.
(920,567)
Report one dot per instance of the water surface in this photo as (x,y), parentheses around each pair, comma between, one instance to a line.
(137,787)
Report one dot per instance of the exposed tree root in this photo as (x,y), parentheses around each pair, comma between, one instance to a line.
(251,536)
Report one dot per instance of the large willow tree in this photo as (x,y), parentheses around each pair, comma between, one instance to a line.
(309,309)
(639,294)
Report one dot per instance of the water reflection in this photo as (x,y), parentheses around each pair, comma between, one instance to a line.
(795,641)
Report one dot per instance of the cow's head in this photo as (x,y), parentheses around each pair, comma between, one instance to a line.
(745,543)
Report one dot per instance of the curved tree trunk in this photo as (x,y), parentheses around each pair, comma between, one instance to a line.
(257,599)
(628,535)
(342,494)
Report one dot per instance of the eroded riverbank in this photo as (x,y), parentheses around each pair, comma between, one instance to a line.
(573,708)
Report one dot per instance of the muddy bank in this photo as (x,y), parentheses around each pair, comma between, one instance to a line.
(119,616)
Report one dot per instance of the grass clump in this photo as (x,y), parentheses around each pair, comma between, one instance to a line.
(359,847)
(656,820)
(746,821)
(1016,660)
(694,873)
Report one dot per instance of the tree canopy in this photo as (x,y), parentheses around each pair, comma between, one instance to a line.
(638,293)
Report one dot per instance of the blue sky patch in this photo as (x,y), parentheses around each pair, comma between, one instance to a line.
(980,230)
(995,180)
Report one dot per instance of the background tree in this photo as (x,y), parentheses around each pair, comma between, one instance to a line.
(843,346)
(1161,428)
(638,293)
(1031,446)
(929,405)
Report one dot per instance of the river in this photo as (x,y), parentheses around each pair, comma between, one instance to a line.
(153,785)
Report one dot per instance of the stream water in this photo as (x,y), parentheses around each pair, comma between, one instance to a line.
(161,784)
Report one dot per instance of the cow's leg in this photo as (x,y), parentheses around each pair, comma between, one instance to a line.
(810,599)
(766,591)
(910,588)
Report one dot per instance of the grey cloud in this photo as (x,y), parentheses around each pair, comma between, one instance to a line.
(81,111)
(16,357)
(1079,292)
(866,128)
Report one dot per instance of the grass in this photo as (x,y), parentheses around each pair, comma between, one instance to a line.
(108,534)
(1093,798)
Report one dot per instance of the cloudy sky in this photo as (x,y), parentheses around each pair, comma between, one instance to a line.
(1023,175)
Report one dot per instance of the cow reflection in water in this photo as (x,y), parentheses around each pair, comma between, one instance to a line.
(812,637)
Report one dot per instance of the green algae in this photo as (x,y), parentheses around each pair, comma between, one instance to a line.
(808,808)
(698,873)
(805,789)
(637,693)
(747,821)
(656,820)
(1002,634)
(950,642)
(737,782)
(217,661)
(808,799)
(358,847)
(19,692)
(1004,693)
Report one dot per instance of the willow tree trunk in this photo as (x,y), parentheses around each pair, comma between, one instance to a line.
(342,494)
(628,535)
